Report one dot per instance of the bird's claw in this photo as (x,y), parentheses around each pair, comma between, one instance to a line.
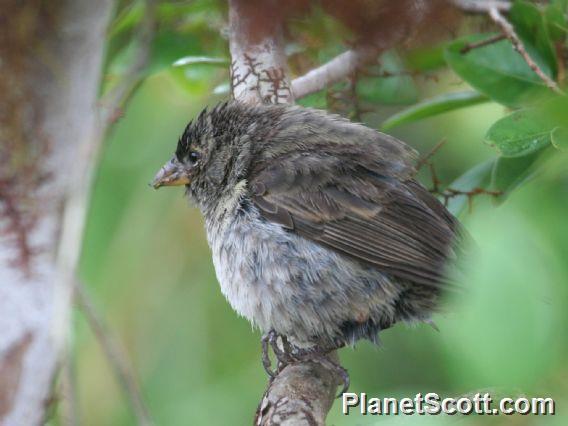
(287,354)
(266,363)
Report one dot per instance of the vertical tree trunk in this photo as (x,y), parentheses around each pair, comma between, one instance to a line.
(50,62)
(258,66)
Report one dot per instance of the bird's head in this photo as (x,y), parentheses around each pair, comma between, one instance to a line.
(213,153)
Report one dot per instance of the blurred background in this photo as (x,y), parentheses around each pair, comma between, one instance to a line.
(147,265)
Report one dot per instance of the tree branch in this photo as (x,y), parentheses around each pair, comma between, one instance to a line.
(335,70)
(302,394)
(510,33)
(482,6)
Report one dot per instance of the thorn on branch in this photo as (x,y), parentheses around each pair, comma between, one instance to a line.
(448,193)
(471,46)
(426,159)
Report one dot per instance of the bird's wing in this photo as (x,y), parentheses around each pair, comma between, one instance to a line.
(387,222)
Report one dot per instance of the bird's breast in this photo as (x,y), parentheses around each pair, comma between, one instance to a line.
(281,281)
(247,254)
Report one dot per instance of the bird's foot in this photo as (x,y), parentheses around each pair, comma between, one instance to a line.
(266,363)
(270,340)
(287,354)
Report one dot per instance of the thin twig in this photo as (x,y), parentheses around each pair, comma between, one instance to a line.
(115,354)
(482,43)
(426,159)
(510,33)
(114,100)
(560,53)
(449,193)
(482,6)
(69,403)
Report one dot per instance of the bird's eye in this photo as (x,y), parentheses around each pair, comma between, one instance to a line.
(193,157)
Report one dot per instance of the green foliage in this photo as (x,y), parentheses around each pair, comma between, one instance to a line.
(520,133)
(497,70)
(533,27)
(476,177)
(393,87)
(146,259)
(434,106)
(509,173)
(426,58)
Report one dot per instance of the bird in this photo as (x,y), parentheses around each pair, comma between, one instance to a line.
(319,231)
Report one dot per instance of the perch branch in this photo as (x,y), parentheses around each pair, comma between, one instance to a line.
(114,353)
(510,33)
(302,394)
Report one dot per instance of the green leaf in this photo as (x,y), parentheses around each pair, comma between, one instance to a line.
(426,58)
(169,46)
(192,79)
(562,4)
(497,70)
(556,22)
(510,173)
(434,106)
(391,86)
(531,26)
(126,19)
(519,133)
(476,177)
(559,138)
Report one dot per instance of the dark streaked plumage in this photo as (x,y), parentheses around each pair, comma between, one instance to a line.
(317,226)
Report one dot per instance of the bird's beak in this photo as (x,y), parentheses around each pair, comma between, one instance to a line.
(171,174)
